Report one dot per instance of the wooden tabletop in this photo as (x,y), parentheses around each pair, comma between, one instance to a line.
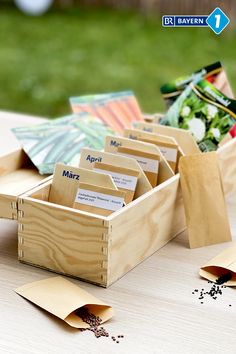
(154,306)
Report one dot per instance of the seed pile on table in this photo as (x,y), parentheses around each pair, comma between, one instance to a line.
(215,290)
(94,323)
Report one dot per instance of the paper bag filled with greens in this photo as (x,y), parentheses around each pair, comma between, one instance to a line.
(61,140)
(214,73)
(203,110)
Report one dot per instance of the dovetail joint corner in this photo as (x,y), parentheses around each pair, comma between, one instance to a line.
(20,254)
(14,205)
(21,213)
(20,227)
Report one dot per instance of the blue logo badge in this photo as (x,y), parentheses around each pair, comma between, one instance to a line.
(217,20)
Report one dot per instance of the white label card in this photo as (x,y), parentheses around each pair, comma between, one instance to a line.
(148,165)
(121,180)
(99,200)
(170,154)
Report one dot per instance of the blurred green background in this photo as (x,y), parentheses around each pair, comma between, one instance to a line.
(76,51)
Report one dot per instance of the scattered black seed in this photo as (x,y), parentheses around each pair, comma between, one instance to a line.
(216,288)
(224,278)
(94,323)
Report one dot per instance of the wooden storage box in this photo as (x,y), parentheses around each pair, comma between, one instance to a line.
(17,175)
(102,249)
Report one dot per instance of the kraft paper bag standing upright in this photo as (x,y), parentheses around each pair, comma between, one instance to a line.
(62,298)
(222,265)
(204,201)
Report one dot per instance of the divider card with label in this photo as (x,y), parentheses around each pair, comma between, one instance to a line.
(113,143)
(184,138)
(125,179)
(66,181)
(98,200)
(167,145)
(89,157)
(148,162)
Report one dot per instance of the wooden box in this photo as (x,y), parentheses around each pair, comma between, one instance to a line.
(102,249)
(17,175)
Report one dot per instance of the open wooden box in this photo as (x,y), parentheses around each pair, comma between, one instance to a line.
(102,249)
(17,176)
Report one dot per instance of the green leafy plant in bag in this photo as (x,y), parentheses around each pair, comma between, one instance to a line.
(203,110)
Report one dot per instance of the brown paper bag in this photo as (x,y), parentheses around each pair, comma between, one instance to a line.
(204,202)
(89,157)
(98,200)
(114,142)
(62,298)
(125,179)
(66,181)
(222,266)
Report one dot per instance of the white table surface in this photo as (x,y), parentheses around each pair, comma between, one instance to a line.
(154,306)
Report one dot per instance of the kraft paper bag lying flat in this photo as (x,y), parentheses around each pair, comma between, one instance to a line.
(62,298)
(204,202)
(222,264)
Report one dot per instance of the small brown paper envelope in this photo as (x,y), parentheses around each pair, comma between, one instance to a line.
(204,201)
(183,137)
(89,157)
(125,179)
(98,200)
(148,162)
(66,181)
(62,298)
(223,263)
(113,142)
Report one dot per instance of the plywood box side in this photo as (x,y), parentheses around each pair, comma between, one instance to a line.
(8,207)
(144,228)
(227,162)
(62,241)
(12,162)
(145,197)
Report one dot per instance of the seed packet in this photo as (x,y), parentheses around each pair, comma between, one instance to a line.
(66,181)
(98,200)
(183,137)
(125,179)
(214,73)
(204,203)
(162,169)
(89,157)
(229,136)
(117,110)
(61,140)
(62,299)
(167,145)
(222,266)
(203,110)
